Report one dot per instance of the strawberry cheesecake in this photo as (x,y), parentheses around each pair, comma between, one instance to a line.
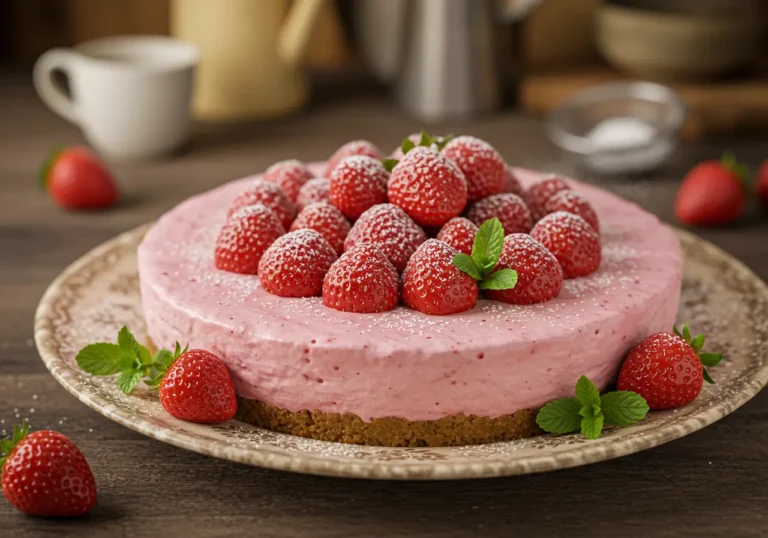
(349,324)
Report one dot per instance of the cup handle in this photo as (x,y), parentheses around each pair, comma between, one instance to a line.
(49,91)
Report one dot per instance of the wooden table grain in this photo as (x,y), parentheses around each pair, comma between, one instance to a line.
(712,483)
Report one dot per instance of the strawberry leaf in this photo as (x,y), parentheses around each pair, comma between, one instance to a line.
(739,169)
(710,359)
(623,407)
(698,342)
(592,426)
(586,392)
(686,333)
(407,145)
(442,141)
(425,139)
(676,331)
(503,279)
(389,164)
(707,377)
(467,264)
(163,359)
(560,416)
(45,170)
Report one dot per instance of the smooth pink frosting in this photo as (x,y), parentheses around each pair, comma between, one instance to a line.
(493,360)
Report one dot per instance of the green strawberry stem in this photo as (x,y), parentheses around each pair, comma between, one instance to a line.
(7,445)
(42,175)
(128,358)
(489,240)
(407,145)
(697,343)
(739,169)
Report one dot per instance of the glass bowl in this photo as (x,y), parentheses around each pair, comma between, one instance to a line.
(618,128)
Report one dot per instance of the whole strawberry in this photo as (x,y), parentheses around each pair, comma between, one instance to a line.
(459,233)
(667,369)
(356,184)
(356,147)
(295,265)
(712,193)
(269,195)
(362,280)
(75,179)
(428,186)
(574,243)
(289,175)
(244,238)
(325,219)
(483,167)
(512,184)
(509,208)
(573,202)
(194,385)
(537,194)
(761,184)
(391,230)
(314,190)
(539,275)
(45,474)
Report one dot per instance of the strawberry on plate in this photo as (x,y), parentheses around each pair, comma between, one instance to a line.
(712,193)
(573,202)
(572,240)
(76,179)
(667,369)
(358,183)
(428,186)
(325,219)
(362,280)
(269,195)
(45,474)
(314,190)
(295,265)
(356,147)
(245,237)
(391,230)
(509,208)
(194,385)
(483,167)
(290,175)
(459,233)
(539,275)
(537,194)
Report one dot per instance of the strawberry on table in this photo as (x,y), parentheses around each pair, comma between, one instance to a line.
(290,175)
(314,190)
(244,238)
(391,230)
(572,240)
(358,183)
(194,385)
(362,280)
(712,193)
(295,265)
(269,195)
(325,219)
(356,147)
(45,474)
(459,233)
(573,202)
(537,194)
(76,179)
(667,369)
(483,167)
(509,208)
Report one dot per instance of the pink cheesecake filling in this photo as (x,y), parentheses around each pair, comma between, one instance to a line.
(491,361)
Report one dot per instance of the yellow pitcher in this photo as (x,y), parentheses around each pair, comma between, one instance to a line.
(250,51)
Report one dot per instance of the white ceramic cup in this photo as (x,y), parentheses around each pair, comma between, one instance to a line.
(130,95)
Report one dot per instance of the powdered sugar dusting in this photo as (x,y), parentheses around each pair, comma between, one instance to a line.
(483,167)
(355,147)
(509,208)
(357,183)
(314,190)
(327,220)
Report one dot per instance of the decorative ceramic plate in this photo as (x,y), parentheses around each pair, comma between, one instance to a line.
(99,293)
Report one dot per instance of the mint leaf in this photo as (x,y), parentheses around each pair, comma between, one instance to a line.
(560,416)
(487,247)
(467,264)
(126,341)
(586,392)
(389,164)
(128,380)
(623,407)
(503,279)
(407,145)
(102,359)
(592,426)
(163,359)
(710,359)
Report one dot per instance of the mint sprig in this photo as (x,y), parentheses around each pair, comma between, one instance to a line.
(425,140)
(128,358)
(697,344)
(589,411)
(7,445)
(486,250)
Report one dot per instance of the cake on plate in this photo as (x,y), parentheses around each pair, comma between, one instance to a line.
(406,375)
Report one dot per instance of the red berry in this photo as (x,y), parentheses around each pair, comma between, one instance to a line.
(483,167)
(357,183)
(289,175)
(761,184)
(664,369)
(574,243)
(508,208)
(356,147)
(245,237)
(325,219)
(541,191)
(539,275)
(269,195)
(712,193)
(459,233)
(572,202)
(314,190)
(432,284)
(363,280)
(45,474)
(512,184)
(76,179)
(428,186)
(391,230)
(397,153)
(197,387)
(295,265)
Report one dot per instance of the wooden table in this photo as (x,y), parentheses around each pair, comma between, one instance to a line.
(712,483)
